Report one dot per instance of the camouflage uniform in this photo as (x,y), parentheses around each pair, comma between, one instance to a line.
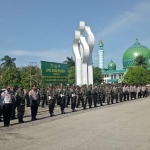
(67,97)
(42,96)
(108,94)
(13,108)
(89,96)
(95,96)
(62,98)
(78,97)
(51,100)
(20,103)
(73,98)
(84,97)
(120,91)
(27,97)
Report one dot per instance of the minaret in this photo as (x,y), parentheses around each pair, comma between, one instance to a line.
(101,55)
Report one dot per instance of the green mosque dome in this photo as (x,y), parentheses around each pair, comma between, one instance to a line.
(111,65)
(148,63)
(132,52)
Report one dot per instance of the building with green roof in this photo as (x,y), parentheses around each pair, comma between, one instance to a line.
(112,75)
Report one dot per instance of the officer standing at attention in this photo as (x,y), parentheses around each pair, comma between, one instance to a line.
(62,97)
(73,98)
(13,108)
(20,103)
(34,102)
(50,99)
(7,105)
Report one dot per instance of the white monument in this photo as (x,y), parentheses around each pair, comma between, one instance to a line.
(82,50)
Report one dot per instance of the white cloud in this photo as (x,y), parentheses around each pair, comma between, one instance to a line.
(59,55)
(139,13)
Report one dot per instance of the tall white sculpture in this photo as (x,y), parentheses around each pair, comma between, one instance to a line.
(83,55)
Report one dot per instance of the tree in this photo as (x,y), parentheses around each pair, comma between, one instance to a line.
(71,75)
(8,62)
(97,75)
(11,77)
(140,61)
(137,75)
(70,62)
(28,72)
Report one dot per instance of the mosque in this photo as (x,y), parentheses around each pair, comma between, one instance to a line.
(111,74)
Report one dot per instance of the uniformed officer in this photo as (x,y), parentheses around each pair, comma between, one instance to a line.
(67,96)
(84,96)
(108,94)
(78,91)
(42,96)
(20,103)
(13,111)
(34,102)
(27,97)
(73,98)
(62,98)
(7,105)
(95,91)
(51,99)
(89,96)
(120,92)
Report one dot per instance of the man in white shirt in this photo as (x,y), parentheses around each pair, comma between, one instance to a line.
(7,105)
(34,102)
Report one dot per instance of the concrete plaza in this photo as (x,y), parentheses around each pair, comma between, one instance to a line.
(122,126)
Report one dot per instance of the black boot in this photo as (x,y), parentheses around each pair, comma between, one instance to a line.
(19,120)
(22,120)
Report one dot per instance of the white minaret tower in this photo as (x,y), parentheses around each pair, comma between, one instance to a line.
(101,55)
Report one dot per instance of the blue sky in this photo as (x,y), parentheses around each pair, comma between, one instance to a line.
(35,30)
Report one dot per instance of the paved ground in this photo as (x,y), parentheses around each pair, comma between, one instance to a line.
(123,126)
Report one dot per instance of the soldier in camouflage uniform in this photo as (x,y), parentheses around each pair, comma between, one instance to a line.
(13,108)
(89,95)
(103,94)
(115,93)
(100,96)
(67,96)
(84,96)
(73,97)
(27,97)
(62,98)
(20,103)
(78,92)
(51,99)
(120,93)
(42,96)
(95,96)
(108,94)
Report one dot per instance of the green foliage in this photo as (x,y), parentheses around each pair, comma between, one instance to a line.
(8,62)
(11,77)
(97,75)
(71,75)
(70,62)
(140,61)
(137,75)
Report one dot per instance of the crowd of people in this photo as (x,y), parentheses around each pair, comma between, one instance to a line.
(85,96)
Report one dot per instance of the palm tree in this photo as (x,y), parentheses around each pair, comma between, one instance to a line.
(8,62)
(70,62)
(140,61)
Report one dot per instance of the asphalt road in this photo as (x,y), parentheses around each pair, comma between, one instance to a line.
(122,126)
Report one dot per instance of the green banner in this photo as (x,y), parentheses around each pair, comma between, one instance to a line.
(54,72)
